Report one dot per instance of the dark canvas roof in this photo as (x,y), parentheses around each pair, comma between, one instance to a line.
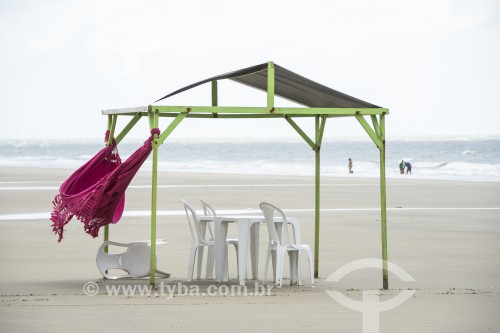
(288,85)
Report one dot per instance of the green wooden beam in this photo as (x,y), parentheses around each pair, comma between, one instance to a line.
(235,109)
(171,127)
(277,110)
(369,131)
(301,132)
(248,115)
(127,128)
(376,126)
(321,131)
(232,116)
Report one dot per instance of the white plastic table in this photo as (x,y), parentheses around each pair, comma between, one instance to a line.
(248,234)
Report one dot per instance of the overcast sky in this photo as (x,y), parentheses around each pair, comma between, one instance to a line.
(433,63)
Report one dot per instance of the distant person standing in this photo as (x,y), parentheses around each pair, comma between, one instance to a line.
(350,166)
(402,167)
(408,167)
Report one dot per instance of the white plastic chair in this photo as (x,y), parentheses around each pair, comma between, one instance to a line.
(134,261)
(198,243)
(281,243)
(210,211)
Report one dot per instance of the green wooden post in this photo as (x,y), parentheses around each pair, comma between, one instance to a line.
(154,194)
(378,136)
(111,128)
(270,86)
(112,120)
(317,198)
(383,204)
(157,140)
(215,101)
(215,98)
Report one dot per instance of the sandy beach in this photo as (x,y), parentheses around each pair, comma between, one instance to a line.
(445,234)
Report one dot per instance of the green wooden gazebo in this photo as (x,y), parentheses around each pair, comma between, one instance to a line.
(318,101)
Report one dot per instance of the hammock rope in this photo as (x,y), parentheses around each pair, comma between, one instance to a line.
(95,193)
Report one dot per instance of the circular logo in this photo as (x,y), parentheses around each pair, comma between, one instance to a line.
(90,288)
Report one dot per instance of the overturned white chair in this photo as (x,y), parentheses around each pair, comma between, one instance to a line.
(134,261)
(281,243)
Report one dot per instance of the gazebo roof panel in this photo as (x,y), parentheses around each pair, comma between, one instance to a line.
(288,85)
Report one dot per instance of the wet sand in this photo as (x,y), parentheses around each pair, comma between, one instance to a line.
(443,233)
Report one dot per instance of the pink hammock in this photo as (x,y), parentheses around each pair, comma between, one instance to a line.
(95,193)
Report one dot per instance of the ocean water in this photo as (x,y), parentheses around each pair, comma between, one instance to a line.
(454,158)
